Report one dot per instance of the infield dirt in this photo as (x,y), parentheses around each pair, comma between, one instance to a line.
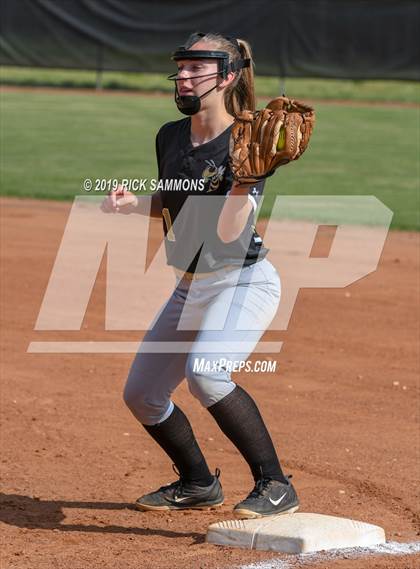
(342,409)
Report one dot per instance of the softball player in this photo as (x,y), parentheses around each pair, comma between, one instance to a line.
(231,279)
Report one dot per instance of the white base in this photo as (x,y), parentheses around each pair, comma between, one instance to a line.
(295,533)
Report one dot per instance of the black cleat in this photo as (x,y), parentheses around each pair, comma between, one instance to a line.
(182,495)
(268,498)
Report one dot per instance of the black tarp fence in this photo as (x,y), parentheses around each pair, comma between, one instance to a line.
(349,39)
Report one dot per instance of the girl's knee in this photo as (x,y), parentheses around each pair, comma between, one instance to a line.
(206,383)
(147,406)
(134,396)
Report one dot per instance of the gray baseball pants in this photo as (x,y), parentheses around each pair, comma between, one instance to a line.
(230,306)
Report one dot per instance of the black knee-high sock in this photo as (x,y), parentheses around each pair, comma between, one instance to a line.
(175,436)
(240,420)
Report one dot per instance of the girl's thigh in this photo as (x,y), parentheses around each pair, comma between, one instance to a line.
(159,365)
(235,320)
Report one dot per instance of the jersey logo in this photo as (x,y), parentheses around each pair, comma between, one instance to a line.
(213,174)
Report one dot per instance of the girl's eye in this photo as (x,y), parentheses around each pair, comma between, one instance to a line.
(193,68)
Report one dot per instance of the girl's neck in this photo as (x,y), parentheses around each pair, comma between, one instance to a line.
(208,124)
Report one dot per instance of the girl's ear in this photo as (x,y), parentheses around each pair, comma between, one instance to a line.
(229,79)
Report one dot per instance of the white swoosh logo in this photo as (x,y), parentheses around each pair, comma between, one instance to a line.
(277,502)
(181,499)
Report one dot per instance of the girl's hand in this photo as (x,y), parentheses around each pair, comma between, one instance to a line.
(119,200)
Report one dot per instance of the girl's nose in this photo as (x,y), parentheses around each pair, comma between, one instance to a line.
(184,74)
(184,82)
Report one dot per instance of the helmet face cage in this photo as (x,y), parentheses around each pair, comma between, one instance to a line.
(222,57)
(191,104)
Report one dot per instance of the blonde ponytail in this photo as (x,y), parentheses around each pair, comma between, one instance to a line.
(241,94)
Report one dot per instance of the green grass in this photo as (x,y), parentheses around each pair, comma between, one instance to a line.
(359,151)
(52,141)
(401,91)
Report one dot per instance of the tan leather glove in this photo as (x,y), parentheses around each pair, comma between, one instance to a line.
(261,141)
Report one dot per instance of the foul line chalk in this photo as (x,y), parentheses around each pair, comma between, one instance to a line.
(390,548)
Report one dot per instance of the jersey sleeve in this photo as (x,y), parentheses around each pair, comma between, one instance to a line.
(157,195)
(157,153)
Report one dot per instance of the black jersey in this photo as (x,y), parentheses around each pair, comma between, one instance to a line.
(186,171)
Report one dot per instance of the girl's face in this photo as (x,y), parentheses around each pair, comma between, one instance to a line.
(190,68)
